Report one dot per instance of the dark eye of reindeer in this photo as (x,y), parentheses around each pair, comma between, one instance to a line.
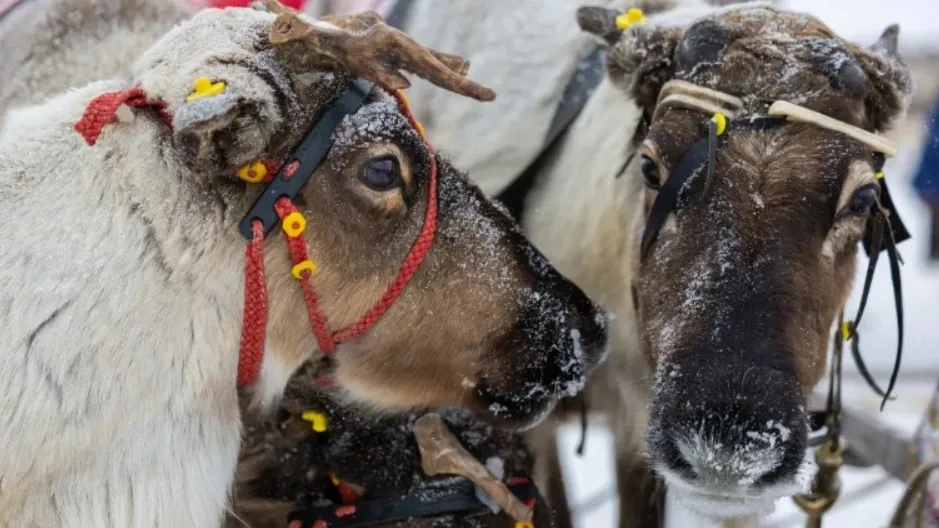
(863,200)
(381,174)
(650,171)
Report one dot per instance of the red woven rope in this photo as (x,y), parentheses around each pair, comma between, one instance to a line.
(298,253)
(102,109)
(419,249)
(254,317)
(254,324)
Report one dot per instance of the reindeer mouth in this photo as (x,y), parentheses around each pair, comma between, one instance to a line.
(515,410)
(728,503)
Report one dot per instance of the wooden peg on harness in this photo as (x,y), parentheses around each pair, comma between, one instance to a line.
(442,453)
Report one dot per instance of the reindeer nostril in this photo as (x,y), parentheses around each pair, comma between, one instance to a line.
(722,428)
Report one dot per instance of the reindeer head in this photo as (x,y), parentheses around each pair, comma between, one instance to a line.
(485,321)
(738,292)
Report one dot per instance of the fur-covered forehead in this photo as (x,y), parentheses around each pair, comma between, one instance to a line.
(378,120)
(762,54)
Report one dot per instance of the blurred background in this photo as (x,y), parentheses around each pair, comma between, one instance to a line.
(869,496)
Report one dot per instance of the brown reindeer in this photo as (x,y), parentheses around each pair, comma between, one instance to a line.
(737,282)
(122,277)
(286,466)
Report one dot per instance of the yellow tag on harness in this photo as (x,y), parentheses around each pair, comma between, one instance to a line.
(317,419)
(847,330)
(721,121)
(203,86)
(630,18)
(253,172)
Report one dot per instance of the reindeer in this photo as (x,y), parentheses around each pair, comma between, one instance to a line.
(723,328)
(126,260)
(287,466)
(734,301)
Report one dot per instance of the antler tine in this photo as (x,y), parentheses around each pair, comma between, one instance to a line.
(368,48)
(361,22)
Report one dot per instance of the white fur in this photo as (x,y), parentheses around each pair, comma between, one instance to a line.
(121,286)
(525,50)
(109,419)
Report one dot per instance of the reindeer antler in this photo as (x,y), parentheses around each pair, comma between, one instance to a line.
(442,453)
(368,48)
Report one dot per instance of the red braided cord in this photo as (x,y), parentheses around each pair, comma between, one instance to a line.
(101,112)
(419,249)
(102,109)
(254,321)
(298,253)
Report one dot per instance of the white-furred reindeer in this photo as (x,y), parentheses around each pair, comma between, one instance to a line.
(123,272)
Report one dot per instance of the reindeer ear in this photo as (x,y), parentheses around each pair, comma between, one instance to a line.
(599,21)
(642,61)
(890,79)
(228,120)
(212,73)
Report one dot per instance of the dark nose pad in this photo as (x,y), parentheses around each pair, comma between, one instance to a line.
(586,320)
(729,426)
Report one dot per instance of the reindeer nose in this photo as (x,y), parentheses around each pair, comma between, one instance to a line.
(730,427)
(584,321)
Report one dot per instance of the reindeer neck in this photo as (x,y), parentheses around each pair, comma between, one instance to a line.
(583,194)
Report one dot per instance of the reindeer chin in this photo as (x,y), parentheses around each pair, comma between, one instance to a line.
(719,506)
(512,412)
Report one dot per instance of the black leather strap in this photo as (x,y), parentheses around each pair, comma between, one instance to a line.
(667,198)
(581,85)
(462,501)
(311,152)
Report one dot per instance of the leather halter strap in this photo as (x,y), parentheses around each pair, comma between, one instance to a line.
(372,512)
(703,154)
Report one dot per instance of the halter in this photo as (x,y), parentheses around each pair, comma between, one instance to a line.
(359,513)
(275,204)
(725,109)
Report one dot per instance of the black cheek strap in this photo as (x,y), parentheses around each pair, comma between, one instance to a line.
(309,154)
(876,237)
(703,151)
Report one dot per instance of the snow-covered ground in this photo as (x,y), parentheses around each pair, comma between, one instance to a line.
(869,496)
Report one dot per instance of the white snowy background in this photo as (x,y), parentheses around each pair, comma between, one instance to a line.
(869,496)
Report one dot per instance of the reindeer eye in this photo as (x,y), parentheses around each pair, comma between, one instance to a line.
(863,200)
(650,171)
(381,174)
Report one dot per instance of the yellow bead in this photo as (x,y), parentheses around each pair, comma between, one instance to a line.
(253,172)
(334,479)
(721,122)
(300,267)
(846,330)
(524,524)
(294,224)
(880,175)
(317,419)
(203,86)
(630,18)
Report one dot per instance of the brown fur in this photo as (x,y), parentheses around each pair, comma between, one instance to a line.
(738,295)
